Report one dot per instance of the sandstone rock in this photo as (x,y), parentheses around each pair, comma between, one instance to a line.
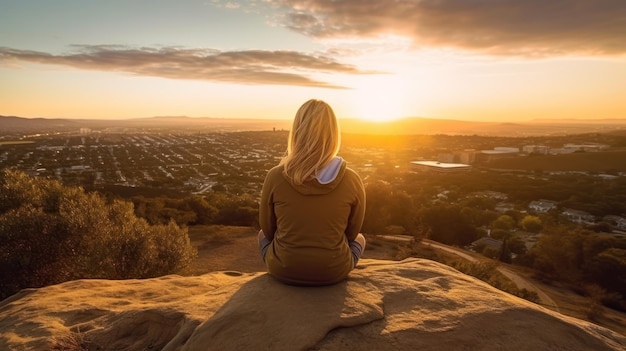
(384,305)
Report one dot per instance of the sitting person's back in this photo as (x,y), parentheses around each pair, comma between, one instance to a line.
(312,205)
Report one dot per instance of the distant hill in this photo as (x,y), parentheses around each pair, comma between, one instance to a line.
(581,121)
(418,125)
(407,126)
(12,124)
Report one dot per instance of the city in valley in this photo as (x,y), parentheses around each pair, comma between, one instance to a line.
(551,203)
(181,162)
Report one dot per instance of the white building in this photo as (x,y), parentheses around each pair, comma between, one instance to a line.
(561,151)
(536,149)
(578,216)
(506,149)
(504,207)
(542,205)
(590,147)
(499,152)
(437,166)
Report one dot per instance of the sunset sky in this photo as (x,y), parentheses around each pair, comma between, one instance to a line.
(491,60)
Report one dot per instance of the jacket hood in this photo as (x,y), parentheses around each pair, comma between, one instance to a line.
(326,180)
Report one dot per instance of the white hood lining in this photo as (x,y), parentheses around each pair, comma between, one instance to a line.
(330,172)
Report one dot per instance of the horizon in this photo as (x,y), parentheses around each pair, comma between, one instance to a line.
(364,120)
(407,126)
(262,60)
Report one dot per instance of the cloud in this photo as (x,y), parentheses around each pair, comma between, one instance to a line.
(247,67)
(498,27)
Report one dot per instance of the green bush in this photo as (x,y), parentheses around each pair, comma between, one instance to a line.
(50,233)
(215,208)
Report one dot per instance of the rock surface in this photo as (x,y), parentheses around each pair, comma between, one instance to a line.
(384,305)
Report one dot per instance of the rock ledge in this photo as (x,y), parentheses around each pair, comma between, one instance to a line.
(384,305)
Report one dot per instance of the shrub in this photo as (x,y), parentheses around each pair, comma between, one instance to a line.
(50,233)
(487,271)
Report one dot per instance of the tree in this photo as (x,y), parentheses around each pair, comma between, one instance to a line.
(242,210)
(501,229)
(205,212)
(478,217)
(608,269)
(558,253)
(50,233)
(377,214)
(500,234)
(446,224)
(389,209)
(531,224)
(402,212)
(516,245)
(504,222)
(600,227)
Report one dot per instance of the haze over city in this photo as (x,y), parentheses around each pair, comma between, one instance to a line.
(502,60)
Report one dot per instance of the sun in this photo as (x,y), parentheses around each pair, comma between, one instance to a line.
(381,98)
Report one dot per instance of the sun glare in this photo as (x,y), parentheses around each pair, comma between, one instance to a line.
(381,98)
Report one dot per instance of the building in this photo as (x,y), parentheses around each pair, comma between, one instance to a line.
(467,156)
(617,221)
(446,157)
(542,205)
(498,153)
(489,194)
(561,151)
(480,244)
(589,147)
(504,207)
(436,166)
(578,216)
(529,239)
(536,149)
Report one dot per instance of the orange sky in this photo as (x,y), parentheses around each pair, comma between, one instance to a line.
(491,60)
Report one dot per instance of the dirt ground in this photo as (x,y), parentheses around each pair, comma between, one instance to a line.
(222,248)
(225,248)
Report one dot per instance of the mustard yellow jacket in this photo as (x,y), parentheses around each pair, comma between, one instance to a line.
(310,226)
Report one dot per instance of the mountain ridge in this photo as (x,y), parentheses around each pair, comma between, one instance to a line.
(411,125)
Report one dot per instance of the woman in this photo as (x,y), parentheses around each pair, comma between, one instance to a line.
(312,205)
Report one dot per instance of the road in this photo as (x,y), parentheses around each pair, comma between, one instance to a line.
(519,281)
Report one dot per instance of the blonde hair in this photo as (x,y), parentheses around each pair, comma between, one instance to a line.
(314,141)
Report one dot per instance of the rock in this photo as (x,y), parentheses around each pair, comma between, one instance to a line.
(384,305)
